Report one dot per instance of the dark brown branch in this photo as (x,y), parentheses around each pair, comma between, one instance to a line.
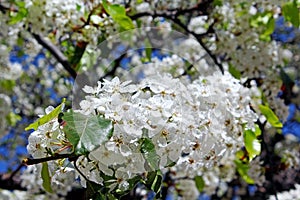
(56,53)
(32,161)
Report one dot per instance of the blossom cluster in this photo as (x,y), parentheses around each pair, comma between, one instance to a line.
(194,127)
(195,122)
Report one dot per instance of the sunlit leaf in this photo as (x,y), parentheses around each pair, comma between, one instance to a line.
(291,13)
(149,153)
(154,181)
(18,16)
(13,118)
(8,85)
(199,183)
(86,132)
(154,177)
(266,21)
(270,115)
(118,14)
(252,144)
(46,177)
(234,72)
(148,49)
(242,169)
(46,118)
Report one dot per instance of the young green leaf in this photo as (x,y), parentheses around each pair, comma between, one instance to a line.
(242,169)
(252,144)
(270,115)
(149,153)
(234,72)
(118,14)
(46,118)
(46,177)
(199,183)
(291,13)
(265,20)
(148,49)
(154,177)
(13,118)
(86,132)
(20,15)
(154,181)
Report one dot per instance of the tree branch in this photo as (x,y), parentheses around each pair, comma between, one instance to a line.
(34,161)
(56,53)
(175,19)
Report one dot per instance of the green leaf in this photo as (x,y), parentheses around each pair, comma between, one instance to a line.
(154,177)
(46,118)
(234,72)
(77,55)
(257,130)
(149,153)
(270,115)
(20,15)
(118,14)
(291,13)
(217,2)
(86,132)
(154,181)
(148,49)
(242,169)
(266,21)
(252,144)
(46,177)
(132,183)
(13,118)
(199,183)
(269,29)
(7,85)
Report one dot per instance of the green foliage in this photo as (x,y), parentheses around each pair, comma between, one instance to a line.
(118,14)
(78,53)
(7,85)
(291,13)
(199,183)
(86,132)
(266,21)
(20,15)
(13,118)
(154,181)
(234,72)
(252,144)
(46,118)
(270,115)
(242,169)
(217,2)
(46,177)
(154,177)
(148,49)
(149,153)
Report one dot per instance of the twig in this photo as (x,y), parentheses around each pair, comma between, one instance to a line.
(56,53)
(113,70)
(34,161)
(176,20)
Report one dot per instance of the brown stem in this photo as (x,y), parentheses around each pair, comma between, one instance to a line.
(34,161)
(56,53)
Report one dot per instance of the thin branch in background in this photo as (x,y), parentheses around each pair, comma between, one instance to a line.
(113,70)
(32,161)
(177,21)
(47,45)
(56,53)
